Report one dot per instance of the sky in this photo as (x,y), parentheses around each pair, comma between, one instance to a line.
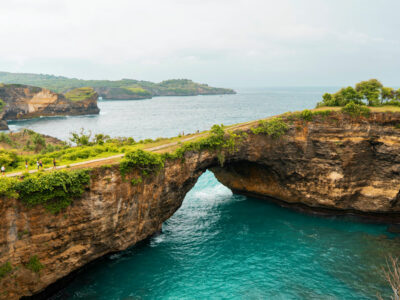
(228,43)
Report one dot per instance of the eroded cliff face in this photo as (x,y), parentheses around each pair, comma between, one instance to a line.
(25,102)
(339,163)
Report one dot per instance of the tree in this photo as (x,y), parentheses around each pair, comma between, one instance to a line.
(347,95)
(100,138)
(387,93)
(81,138)
(38,141)
(370,90)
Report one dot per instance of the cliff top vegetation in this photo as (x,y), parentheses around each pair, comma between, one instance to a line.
(370,92)
(80,94)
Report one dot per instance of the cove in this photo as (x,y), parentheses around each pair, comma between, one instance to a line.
(221,245)
(228,246)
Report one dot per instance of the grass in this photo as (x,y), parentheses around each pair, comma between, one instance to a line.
(80,94)
(34,264)
(115,150)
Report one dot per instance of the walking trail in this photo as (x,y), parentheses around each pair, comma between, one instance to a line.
(93,161)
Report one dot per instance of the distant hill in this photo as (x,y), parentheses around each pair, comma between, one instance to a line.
(118,89)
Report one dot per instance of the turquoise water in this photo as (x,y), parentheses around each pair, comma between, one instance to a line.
(224,246)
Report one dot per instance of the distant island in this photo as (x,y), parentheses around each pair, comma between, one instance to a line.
(124,89)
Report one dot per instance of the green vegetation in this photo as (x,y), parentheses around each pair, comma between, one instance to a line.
(143,89)
(54,190)
(356,110)
(80,94)
(136,181)
(34,264)
(2,104)
(275,127)
(138,91)
(146,162)
(5,269)
(370,92)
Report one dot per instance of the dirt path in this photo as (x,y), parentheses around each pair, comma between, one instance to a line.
(108,158)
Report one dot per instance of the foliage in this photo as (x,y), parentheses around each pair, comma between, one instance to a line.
(218,140)
(138,91)
(5,269)
(356,110)
(54,190)
(136,181)
(8,158)
(101,138)
(370,92)
(38,141)
(34,264)
(82,138)
(306,115)
(5,138)
(2,104)
(7,187)
(80,94)
(275,127)
(146,162)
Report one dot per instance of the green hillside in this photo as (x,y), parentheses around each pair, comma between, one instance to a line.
(118,89)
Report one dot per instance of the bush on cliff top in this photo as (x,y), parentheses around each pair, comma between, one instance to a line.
(356,110)
(54,190)
(275,127)
(146,162)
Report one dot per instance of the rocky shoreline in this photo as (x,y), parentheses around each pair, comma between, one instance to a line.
(27,102)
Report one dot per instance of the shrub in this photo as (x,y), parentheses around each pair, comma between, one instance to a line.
(82,138)
(146,162)
(5,269)
(356,110)
(392,103)
(2,104)
(5,138)
(306,115)
(136,181)
(274,127)
(7,187)
(54,190)
(38,142)
(8,158)
(34,264)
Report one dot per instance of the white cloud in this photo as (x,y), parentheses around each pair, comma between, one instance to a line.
(214,41)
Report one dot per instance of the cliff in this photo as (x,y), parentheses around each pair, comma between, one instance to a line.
(25,102)
(336,164)
(124,89)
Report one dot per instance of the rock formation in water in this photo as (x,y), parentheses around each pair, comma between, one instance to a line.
(336,164)
(25,102)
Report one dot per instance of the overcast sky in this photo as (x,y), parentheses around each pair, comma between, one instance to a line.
(230,43)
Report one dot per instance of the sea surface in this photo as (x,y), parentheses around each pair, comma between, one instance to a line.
(224,246)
